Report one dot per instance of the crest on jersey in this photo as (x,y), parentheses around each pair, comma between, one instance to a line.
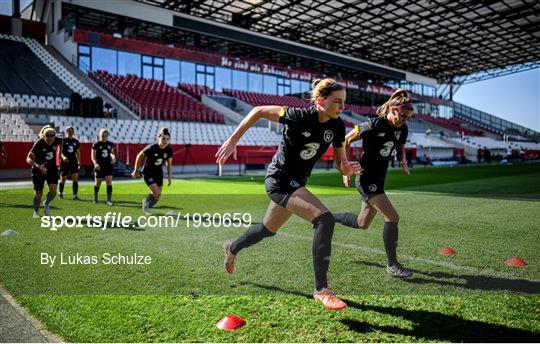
(372,187)
(295,184)
(398,134)
(328,135)
(306,133)
(165,155)
(381,134)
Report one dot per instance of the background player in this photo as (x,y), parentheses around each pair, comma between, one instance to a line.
(70,162)
(103,157)
(42,158)
(3,154)
(306,136)
(156,154)
(380,136)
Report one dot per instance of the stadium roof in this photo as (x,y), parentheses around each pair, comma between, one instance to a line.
(442,39)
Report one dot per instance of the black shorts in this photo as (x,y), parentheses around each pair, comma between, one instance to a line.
(104,170)
(370,185)
(69,168)
(280,189)
(39,179)
(151,178)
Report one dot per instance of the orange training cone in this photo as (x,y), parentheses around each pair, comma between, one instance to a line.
(515,261)
(447,251)
(230,322)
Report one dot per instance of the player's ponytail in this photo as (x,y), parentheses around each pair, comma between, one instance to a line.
(399,97)
(164,131)
(322,88)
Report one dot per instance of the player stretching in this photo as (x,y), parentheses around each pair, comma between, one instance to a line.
(71,162)
(103,157)
(156,155)
(306,136)
(42,158)
(380,136)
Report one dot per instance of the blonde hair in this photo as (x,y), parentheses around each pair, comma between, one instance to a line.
(323,87)
(45,129)
(400,96)
(101,131)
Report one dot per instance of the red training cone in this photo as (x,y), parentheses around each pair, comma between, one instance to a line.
(230,322)
(515,261)
(447,251)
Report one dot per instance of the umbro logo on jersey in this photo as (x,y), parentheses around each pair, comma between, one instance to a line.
(306,133)
(155,154)
(381,134)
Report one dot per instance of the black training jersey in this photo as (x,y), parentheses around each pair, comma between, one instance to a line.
(103,152)
(304,141)
(46,154)
(69,148)
(379,139)
(155,157)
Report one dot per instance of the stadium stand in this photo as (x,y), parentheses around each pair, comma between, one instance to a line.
(258,99)
(142,132)
(198,90)
(14,128)
(60,71)
(153,99)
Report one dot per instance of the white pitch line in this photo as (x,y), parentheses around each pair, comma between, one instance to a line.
(449,265)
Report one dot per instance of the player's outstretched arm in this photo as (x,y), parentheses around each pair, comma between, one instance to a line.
(228,148)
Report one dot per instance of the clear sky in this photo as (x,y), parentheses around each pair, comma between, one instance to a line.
(515,97)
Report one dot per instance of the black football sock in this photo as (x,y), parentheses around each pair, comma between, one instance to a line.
(109,193)
(347,219)
(390,238)
(253,235)
(322,248)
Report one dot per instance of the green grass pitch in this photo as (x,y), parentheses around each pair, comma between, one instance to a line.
(486,213)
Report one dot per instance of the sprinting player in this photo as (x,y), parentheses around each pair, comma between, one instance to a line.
(156,155)
(3,153)
(103,157)
(70,162)
(42,158)
(380,136)
(306,136)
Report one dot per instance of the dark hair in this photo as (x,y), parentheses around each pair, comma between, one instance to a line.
(322,88)
(164,131)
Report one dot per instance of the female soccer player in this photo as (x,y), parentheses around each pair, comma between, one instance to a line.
(380,136)
(103,157)
(156,155)
(306,136)
(42,158)
(71,162)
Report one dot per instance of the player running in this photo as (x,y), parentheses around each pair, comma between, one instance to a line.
(307,134)
(380,137)
(156,155)
(103,157)
(42,158)
(70,162)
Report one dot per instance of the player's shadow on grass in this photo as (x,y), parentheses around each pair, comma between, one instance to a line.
(426,324)
(435,326)
(475,282)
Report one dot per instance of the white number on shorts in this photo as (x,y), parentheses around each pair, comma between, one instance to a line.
(387,148)
(310,151)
